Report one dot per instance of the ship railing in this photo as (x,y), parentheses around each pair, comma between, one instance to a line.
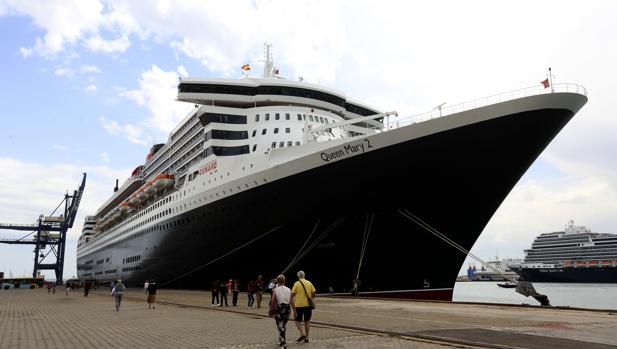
(486,101)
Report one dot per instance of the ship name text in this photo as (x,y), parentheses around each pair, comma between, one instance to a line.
(348,149)
(209,167)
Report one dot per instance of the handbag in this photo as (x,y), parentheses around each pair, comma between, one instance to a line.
(310,299)
(274,307)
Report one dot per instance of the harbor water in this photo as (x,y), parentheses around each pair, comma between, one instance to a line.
(594,296)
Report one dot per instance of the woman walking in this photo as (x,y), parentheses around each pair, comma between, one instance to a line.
(281,295)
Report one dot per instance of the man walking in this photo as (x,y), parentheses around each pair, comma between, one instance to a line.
(259,290)
(151,294)
(118,292)
(302,306)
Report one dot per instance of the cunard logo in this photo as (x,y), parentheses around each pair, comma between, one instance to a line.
(209,167)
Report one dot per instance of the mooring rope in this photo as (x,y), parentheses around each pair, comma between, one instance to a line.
(405,213)
(300,250)
(367,231)
(222,256)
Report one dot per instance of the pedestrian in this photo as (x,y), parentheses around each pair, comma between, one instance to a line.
(214,288)
(67,288)
(87,287)
(281,297)
(235,289)
(48,287)
(53,290)
(259,290)
(302,291)
(151,294)
(223,292)
(118,292)
(146,284)
(251,293)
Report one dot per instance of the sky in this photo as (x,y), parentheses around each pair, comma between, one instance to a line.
(89,86)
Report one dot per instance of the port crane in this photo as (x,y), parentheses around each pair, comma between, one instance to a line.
(49,231)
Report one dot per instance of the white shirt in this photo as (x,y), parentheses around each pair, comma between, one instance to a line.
(283,294)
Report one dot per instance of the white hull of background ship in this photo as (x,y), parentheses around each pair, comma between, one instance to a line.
(574,255)
(268,175)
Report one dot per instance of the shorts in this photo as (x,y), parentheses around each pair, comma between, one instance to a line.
(151,298)
(303,314)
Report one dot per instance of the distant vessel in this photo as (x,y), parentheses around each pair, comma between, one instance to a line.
(498,270)
(268,175)
(573,255)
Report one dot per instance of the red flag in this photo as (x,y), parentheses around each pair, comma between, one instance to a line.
(546,83)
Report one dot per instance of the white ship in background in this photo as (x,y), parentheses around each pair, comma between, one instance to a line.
(268,175)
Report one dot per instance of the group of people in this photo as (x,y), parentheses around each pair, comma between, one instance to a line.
(117,290)
(299,300)
(221,288)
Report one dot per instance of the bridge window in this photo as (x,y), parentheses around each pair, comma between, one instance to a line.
(225,134)
(277,116)
(227,151)
(287,116)
(207,118)
(276,130)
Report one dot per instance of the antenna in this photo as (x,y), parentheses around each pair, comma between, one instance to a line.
(269,65)
(439,107)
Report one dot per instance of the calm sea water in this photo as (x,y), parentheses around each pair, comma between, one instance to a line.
(596,296)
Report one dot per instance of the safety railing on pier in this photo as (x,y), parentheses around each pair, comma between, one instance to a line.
(482,102)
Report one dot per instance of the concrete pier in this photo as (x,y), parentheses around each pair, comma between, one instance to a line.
(186,319)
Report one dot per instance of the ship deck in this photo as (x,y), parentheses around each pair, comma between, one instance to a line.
(186,319)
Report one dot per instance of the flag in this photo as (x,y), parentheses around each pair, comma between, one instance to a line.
(276,71)
(246,67)
(545,83)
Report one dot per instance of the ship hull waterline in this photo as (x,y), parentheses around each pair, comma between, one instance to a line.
(454,180)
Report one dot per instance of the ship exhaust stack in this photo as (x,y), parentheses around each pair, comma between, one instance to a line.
(116,187)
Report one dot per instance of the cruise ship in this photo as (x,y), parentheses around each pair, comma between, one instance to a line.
(268,175)
(573,255)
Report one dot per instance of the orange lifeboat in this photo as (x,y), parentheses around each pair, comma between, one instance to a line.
(124,207)
(163,180)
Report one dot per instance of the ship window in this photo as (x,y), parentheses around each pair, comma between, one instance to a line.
(299,117)
(254,147)
(207,118)
(224,134)
(321,120)
(273,145)
(289,144)
(311,117)
(263,132)
(327,122)
(297,142)
(257,118)
(286,116)
(281,144)
(254,133)
(228,151)
(276,130)
(287,130)
(277,116)
(267,117)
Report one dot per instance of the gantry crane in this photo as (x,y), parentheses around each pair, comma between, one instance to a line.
(49,231)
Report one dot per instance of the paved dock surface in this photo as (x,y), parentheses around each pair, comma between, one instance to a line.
(186,319)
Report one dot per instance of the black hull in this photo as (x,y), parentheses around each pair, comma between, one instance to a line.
(454,180)
(591,275)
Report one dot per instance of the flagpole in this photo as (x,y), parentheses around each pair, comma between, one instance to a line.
(550,79)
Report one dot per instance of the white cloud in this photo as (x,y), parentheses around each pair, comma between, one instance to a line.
(86,69)
(64,72)
(90,88)
(25,52)
(64,22)
(104,156)
(157,91)
(60,147)
(182,71)
(133,133)
(98,44)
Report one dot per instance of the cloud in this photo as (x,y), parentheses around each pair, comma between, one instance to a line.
(25,52)
(86,69)
(90,88)
(157,91)
(104,156)
(64,22)
(133,133)
(60,147)
(98,44)
(64,72)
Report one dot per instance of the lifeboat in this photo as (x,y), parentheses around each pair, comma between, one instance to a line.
(163,180)
(141,195)
(593,263)
(124,207)
(149,189)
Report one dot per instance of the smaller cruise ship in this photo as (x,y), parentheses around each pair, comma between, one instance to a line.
(573,255)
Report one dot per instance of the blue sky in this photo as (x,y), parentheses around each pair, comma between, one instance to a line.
(88,86)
